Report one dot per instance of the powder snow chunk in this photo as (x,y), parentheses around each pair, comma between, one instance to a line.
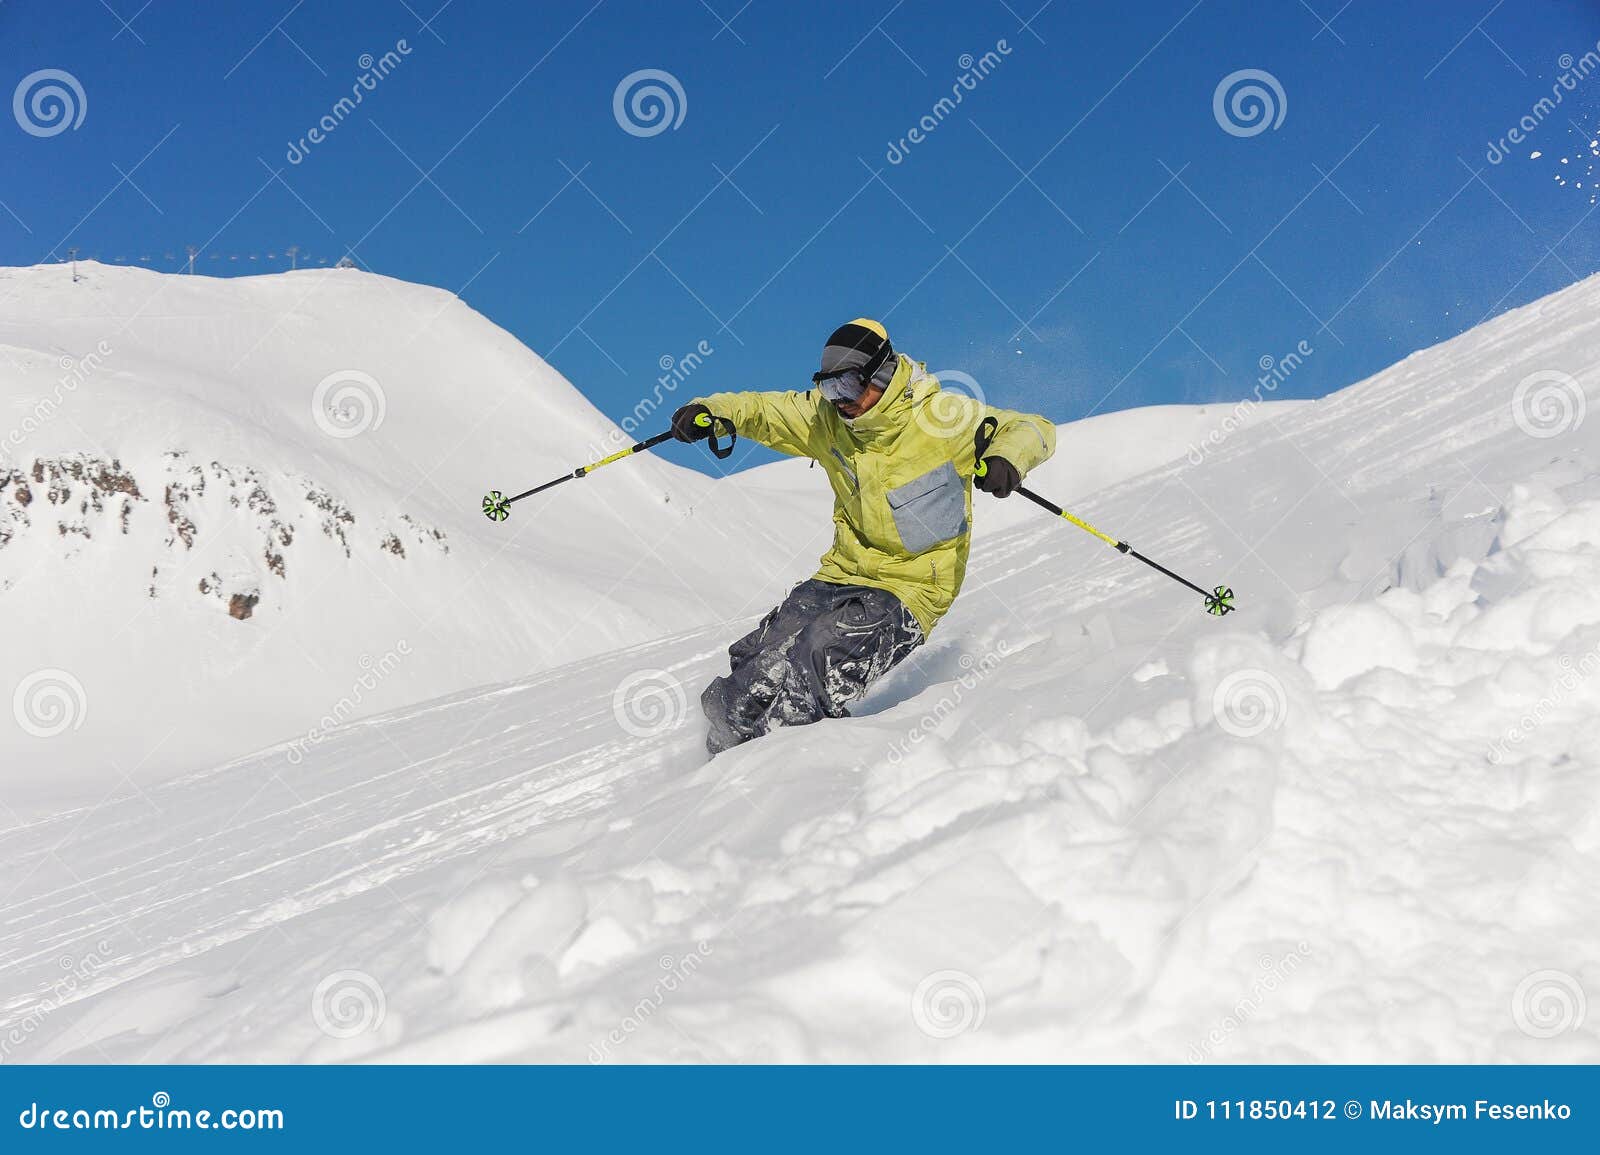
(961,918)
(539,926)
(1350,640)
(1563,609)
(1064,735)
(456,928)
(918,758)
(146,1008)
(1531,508)
(1451,592)
(1579,526)
(1248,688)
(603,941)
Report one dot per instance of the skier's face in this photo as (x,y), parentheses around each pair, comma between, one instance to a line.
(852,409)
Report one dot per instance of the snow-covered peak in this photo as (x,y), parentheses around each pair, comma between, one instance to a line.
(224,499)
(1355,821)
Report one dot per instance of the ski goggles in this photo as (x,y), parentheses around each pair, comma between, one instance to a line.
(841,384)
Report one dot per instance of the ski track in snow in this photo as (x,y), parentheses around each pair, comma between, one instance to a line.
(1085,823)
(243,840)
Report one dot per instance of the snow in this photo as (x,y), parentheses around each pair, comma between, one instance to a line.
(319,441)
(1350,640)
(1358,820)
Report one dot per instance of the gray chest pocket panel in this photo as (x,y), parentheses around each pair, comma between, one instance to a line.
(930,509)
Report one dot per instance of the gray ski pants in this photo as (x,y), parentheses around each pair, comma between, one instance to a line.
(808,659)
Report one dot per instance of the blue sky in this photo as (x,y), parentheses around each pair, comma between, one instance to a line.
(1081,233)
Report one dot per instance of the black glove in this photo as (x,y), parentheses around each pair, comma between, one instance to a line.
(683,423)
(1000,477)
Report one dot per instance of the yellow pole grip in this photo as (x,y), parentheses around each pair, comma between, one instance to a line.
(617,456)
(1081,524)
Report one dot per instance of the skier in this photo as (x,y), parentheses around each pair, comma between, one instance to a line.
(899,454)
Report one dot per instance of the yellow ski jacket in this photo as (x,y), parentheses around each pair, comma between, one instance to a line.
(901,475)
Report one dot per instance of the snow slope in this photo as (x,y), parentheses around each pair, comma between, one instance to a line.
(1355,821)
(227,505)
(233,510)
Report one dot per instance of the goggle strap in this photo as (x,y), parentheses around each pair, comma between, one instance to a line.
(870,369)
(867,371)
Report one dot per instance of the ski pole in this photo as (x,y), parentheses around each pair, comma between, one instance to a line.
(1219,601)
(497,506)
